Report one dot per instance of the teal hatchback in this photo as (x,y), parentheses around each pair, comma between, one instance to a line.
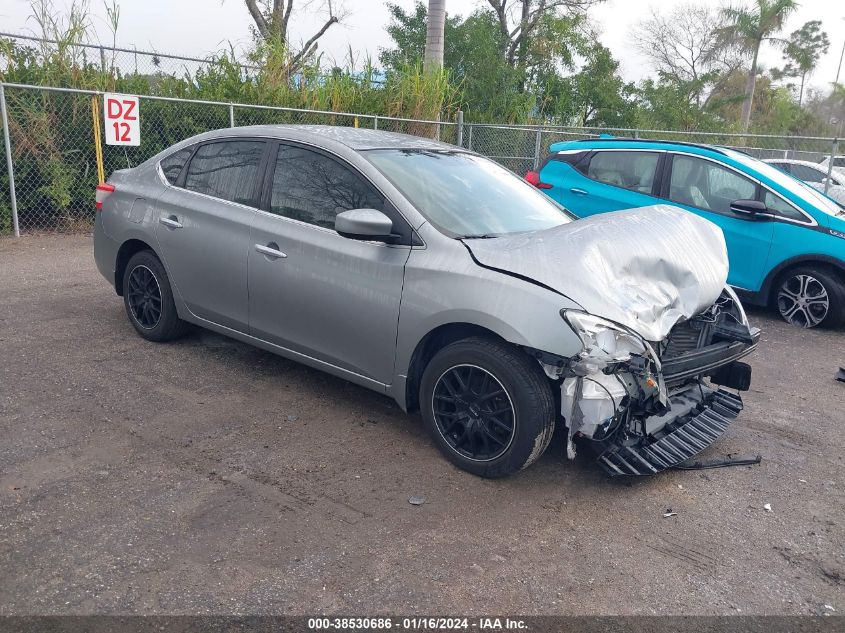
(786,241)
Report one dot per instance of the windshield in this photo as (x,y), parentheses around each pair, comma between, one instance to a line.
(806,194)
(464,195)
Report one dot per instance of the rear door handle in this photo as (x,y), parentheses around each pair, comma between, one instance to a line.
(271,250)
(579,191)
(171,222)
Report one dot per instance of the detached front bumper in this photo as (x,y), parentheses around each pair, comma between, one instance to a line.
(706,413)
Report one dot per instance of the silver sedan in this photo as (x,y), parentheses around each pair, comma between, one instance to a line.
(437,277)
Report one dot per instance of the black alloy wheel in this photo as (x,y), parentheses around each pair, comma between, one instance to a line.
(144,297)
(473,412)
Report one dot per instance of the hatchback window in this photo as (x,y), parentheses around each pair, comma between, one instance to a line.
(226,170)
(313,188)
(707,185)
(839,161)
(807,174)
(781,208)
(631,170)
(172,166)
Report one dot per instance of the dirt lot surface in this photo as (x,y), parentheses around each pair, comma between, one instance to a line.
(210,477)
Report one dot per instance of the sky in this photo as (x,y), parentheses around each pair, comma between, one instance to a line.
(198,27)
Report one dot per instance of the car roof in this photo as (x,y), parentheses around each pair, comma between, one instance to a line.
(792,161)
(612,142)
(352,137)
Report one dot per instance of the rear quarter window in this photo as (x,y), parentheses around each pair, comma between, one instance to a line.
(172,166)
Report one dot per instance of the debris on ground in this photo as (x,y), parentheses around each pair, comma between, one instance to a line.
(416,500)
(721,463)
(669,513)
(768,507)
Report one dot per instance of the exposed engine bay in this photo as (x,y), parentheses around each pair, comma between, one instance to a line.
(646,407)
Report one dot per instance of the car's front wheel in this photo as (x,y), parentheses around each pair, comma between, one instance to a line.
(810,297)
(488,406)
(148,299)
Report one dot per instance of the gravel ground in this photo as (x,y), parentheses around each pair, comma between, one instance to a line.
(206,476)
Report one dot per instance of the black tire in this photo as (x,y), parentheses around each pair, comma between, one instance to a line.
(154,320)
(823,292)
(486,366)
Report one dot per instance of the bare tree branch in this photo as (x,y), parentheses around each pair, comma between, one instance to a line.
(258,18)
(312,42)
(518,20)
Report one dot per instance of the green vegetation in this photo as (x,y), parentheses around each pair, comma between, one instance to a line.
(535,63)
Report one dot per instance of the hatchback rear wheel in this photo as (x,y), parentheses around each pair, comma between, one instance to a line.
(488,406)
(148,299)
(810,297)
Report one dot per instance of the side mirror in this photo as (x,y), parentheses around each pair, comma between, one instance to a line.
(748,207)
(364,224)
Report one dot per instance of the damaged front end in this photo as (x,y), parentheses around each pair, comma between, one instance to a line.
(648,406)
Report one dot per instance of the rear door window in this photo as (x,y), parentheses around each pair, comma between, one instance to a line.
(703,184)
(227,170)
(630,170)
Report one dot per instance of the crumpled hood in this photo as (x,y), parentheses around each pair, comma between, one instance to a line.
(646,268)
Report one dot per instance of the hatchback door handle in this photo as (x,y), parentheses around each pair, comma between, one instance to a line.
(579,191)
(271,250)
(171,222)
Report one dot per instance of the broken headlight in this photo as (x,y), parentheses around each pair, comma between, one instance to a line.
(604,342)
(737,304)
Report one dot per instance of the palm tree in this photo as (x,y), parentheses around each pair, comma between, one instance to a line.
(434,34)
(748,28)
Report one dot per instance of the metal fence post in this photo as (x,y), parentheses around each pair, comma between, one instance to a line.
(7,141)
(538,143)
(833,151)
(375,122)
(460,142)
(469,140)
(231,115)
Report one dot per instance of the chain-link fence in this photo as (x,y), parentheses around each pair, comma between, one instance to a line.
(53,157)
(117,61)
(521,148)
(48,135)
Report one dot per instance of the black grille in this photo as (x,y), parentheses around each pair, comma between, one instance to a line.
(682,339)
(689,437)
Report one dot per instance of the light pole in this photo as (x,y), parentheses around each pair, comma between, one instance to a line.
(835,83)
(839,68)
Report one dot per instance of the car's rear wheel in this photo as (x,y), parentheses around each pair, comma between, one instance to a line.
(810,297)
(148,299)
(488,406)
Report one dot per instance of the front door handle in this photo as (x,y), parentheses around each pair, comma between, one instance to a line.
(171,222)
(271,250)
(579,191)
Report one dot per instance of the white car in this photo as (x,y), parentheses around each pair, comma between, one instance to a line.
(815,175)
(838,165)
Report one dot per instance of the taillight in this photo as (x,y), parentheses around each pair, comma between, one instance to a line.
(103,191)
(533,178)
